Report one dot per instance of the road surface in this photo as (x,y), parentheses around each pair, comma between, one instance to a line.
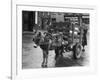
(32,57)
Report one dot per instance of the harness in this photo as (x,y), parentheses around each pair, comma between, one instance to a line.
(50,41)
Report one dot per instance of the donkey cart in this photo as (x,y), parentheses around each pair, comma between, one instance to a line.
(73,36)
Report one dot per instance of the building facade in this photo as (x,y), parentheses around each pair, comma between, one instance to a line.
(41,20)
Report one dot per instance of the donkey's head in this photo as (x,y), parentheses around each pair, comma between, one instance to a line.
(37,39)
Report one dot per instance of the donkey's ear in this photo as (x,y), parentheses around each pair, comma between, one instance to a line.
(39,33)
(35,32)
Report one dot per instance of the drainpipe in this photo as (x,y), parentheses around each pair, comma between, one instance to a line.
(36,17)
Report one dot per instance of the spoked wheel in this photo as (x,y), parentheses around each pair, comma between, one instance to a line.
(77,51)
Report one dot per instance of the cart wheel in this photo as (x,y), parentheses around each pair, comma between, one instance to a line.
(77,51)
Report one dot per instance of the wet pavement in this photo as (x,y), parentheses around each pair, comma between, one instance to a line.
(32,57)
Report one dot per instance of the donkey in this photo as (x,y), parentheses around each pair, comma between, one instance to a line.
(48,42)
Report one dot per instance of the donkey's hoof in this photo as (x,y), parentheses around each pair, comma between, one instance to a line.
(45,65)
(42,66)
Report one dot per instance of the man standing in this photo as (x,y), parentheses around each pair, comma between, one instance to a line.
(84,39)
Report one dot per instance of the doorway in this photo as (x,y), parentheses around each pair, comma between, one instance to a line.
(28,20)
